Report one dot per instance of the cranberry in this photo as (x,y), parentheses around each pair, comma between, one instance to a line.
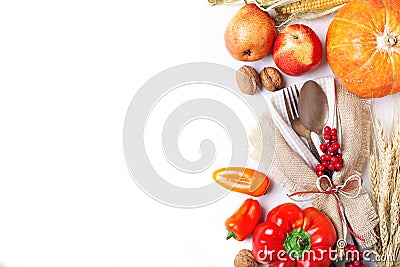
(320,167)
(338,165)
(331,149)
(323,147)
(348,264)
(334,131)
(325,163)
(327,130)
(331,167)
(320,173)
(356,263)
(327,137)
(334,159)
(336,145)
(328,157)
(334,137)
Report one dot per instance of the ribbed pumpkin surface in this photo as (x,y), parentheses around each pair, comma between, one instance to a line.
(363,47)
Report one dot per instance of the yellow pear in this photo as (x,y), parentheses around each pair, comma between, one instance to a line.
(250,34)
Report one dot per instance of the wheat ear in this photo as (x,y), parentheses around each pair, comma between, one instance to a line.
(383,193)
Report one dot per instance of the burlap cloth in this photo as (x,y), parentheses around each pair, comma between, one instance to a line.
(289,169)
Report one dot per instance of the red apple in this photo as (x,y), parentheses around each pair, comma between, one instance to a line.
(297,50)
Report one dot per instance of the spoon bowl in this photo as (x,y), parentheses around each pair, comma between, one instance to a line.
(313,108)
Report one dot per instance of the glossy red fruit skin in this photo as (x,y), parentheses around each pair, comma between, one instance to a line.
(334,159)
(281,221)
(336,145)
(331,167)
(297,50)
(338,165)
(320,167)
(323,147)
(327,130)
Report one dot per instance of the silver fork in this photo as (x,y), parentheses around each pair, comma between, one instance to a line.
(293,115)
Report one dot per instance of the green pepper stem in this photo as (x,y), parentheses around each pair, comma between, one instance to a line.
(302,243)
(230,235)
(297,243)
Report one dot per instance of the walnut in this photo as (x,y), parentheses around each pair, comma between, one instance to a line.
(248,80)
(271,78)
(245,258)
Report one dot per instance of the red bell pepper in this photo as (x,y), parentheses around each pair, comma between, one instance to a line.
(242,223)
(291,237)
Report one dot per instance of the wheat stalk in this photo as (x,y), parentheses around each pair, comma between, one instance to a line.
(374,180)
(383,192)
(374,177)
(395,202)
(395,199)
(385,189)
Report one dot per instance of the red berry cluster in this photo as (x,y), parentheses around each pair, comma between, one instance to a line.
(353,256)
(332,159)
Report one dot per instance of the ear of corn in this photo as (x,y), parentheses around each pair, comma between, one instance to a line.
(262,3)
(287,11)
(305,6)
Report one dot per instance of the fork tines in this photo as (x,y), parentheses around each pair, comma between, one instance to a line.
(291,96)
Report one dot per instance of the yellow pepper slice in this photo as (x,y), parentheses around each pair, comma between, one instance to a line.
(242,180)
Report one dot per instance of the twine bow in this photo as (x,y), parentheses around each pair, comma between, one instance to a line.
(350,188)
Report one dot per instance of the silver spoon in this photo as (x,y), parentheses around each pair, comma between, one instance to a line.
(313,108)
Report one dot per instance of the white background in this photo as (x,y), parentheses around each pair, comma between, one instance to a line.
(68,71)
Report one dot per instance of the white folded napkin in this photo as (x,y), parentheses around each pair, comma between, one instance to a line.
(279,115)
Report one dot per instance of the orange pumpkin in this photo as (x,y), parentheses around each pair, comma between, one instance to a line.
(363,47)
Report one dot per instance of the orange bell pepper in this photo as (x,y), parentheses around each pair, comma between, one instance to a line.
(242,223)
(242,180)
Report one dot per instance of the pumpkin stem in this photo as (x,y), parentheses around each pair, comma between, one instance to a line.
(392,40)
